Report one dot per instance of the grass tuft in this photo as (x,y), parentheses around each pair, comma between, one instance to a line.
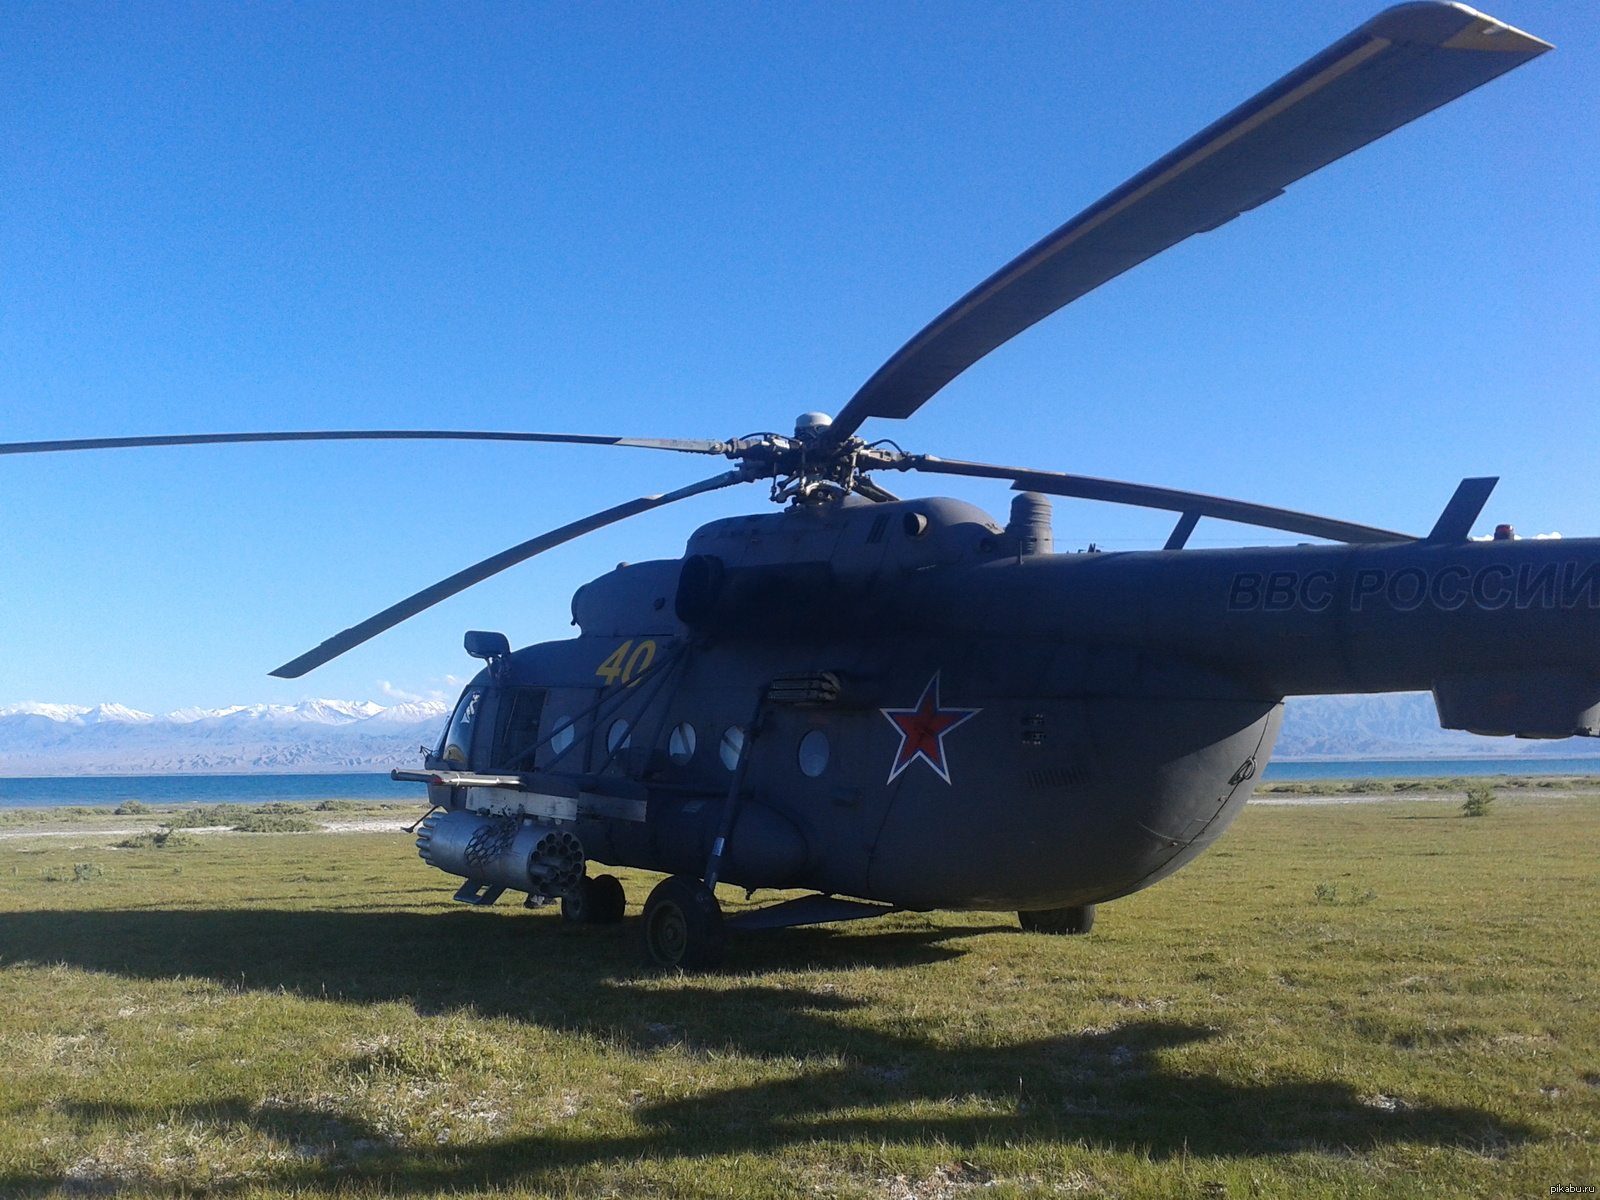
(1328,893)
(435,1051)
(84,872)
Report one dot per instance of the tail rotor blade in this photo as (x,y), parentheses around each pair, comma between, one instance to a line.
(461,580)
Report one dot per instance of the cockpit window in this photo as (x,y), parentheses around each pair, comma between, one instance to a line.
(457,745)
(518,732)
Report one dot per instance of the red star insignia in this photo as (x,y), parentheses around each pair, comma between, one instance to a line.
(922,731)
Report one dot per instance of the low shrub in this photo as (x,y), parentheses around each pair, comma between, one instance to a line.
(161,838)
(274,822)
(202,815)
(1478,803)
(130,808)
(278,816)
(54,815)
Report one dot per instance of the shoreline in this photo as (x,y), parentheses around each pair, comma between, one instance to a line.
(87,829)
(98,822)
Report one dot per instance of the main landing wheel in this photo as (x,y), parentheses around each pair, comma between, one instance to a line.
(1058,920)
(598,900)
(682,925)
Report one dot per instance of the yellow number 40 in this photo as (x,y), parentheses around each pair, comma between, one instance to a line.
(625,666)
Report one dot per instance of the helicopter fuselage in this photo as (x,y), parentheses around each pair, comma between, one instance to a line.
(906,702)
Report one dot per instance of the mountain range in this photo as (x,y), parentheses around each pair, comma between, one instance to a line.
(344,735)
(1398,725)
(310,737)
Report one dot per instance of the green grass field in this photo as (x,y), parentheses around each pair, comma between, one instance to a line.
(1378,999)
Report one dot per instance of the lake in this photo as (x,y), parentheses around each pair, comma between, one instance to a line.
(111,790)
(207,789)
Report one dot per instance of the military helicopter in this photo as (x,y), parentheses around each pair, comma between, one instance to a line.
(904,705)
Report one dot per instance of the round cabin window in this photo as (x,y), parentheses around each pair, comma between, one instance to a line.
(732,746)
(617,736)
(562,737)
(813,753)
(680,746)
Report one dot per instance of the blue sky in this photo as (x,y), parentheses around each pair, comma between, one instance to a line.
(698,220)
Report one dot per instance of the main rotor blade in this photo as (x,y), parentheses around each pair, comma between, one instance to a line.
(1140,495)
(1405,62)
(686,446)
(461,580)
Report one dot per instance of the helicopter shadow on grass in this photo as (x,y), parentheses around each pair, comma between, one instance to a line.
(1108,1088)
(1104,1089)
(529,968)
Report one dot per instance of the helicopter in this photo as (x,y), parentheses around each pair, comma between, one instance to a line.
(905,705)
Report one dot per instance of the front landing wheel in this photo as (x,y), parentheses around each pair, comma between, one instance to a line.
(682,925)
(596,901)
(1058,920)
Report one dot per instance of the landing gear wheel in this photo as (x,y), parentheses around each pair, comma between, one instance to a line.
(596,901)
(682,925)
(1058,920)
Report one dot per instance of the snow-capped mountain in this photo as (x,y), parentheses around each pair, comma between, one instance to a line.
(315,735)
(53,712)
(318,712)
(409,714)
(343,735)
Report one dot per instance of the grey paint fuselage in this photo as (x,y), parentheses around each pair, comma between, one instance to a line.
(1123,702)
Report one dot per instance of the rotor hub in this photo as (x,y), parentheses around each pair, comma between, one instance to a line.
(811,467)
